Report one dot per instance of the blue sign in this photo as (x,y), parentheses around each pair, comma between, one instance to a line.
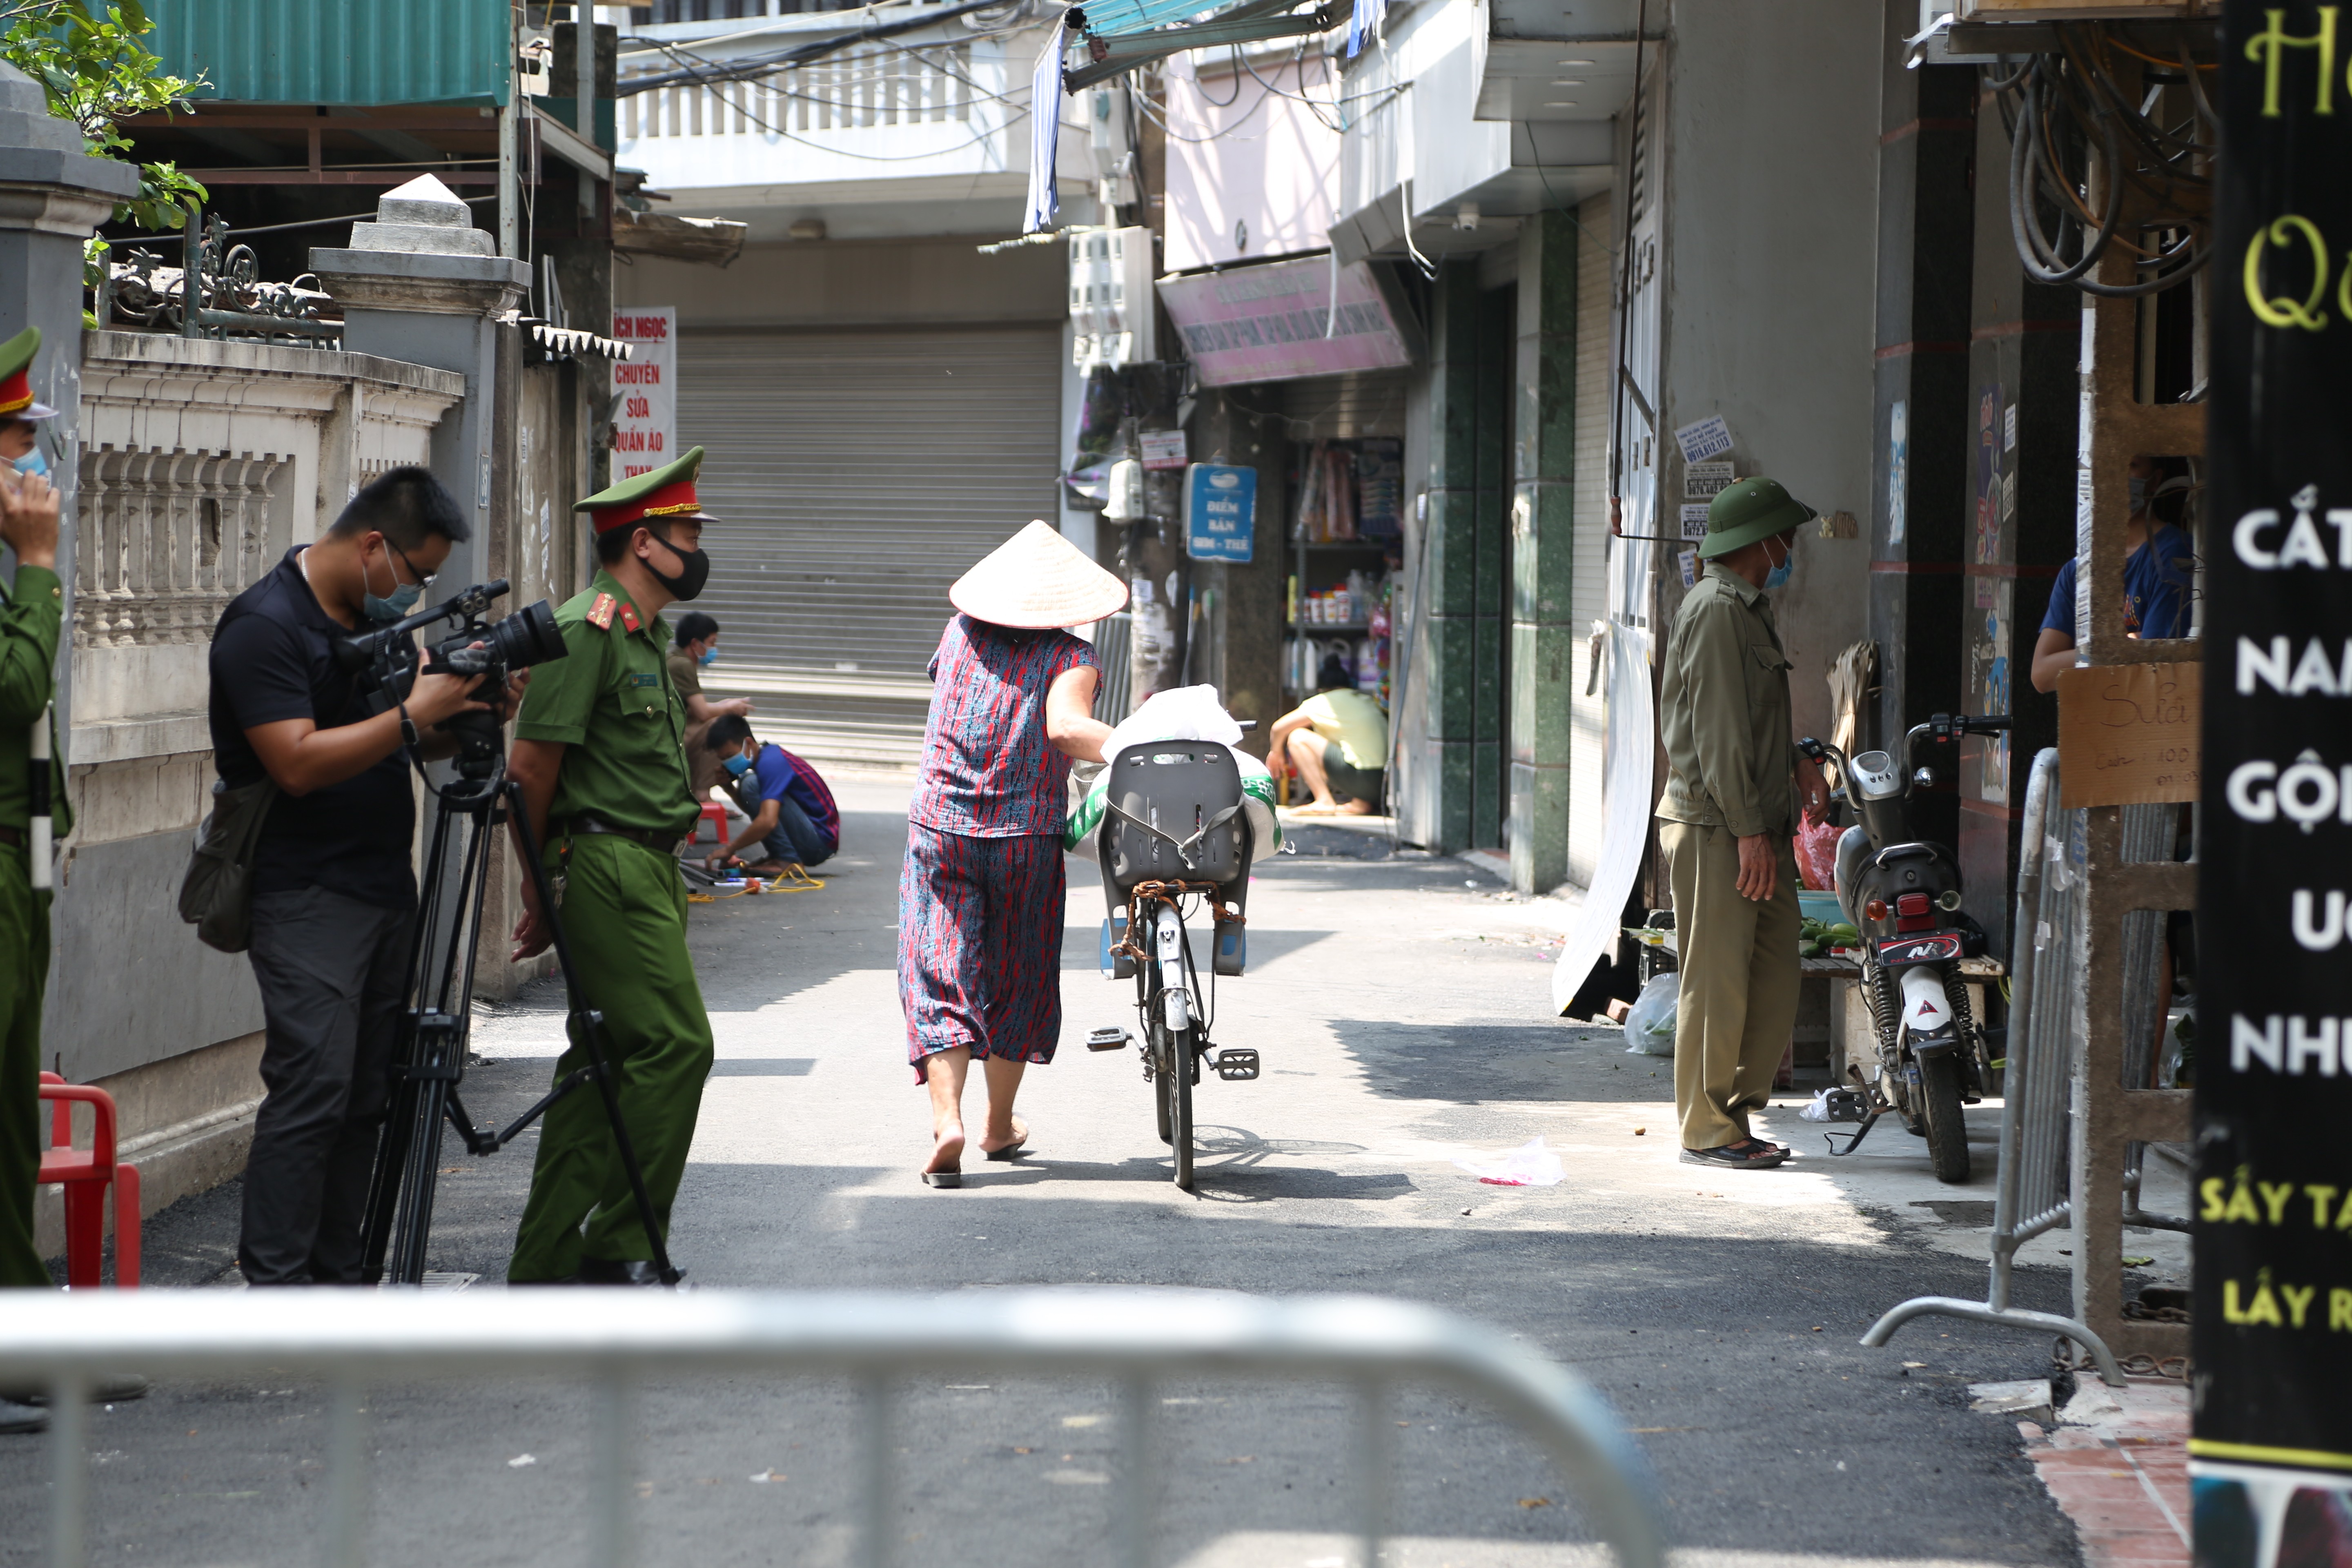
(1220,512)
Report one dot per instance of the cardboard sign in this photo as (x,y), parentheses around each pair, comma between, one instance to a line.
(2128,734)
(1220,512)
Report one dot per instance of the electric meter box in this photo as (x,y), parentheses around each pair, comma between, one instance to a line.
(1112,306)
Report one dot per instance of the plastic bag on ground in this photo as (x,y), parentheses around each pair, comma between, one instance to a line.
(1531,1164)
(1819,1110)
(1650,1022)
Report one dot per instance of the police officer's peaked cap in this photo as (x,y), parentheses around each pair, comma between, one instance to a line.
(1749,511)
(664,493)
(17,378)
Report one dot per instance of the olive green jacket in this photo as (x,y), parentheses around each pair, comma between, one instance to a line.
(1730,760)
(30,614)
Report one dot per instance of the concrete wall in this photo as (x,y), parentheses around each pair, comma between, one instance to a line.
(1771,183)
(200,463)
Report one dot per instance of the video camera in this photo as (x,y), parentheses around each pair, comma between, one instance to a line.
(493,649)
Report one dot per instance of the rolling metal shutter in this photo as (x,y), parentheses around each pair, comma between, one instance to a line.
(856,475)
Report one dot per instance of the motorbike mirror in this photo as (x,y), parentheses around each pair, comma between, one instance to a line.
(1925,778)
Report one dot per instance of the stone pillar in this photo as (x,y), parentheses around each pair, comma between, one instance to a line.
(1543,634)
(1921,494)
(1459,656)
(52,199)
(2018,444)
(422,284)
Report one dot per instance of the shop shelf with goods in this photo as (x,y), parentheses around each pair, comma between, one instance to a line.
(1346,542)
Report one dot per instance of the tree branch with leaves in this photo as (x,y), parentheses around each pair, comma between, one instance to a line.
(96,73)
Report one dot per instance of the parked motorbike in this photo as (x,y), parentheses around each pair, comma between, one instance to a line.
(1905,897)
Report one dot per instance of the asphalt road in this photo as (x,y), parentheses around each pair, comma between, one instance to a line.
(1403,1018)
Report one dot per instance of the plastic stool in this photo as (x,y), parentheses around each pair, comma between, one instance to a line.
(715,815)
(85,1174)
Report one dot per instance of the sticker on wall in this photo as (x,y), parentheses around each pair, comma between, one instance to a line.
(1695,520)
(1840,525)
(1705,482)
(1163,448)
(1689,559)
(1710,438)
(1898,464)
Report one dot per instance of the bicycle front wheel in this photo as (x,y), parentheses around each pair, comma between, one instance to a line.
(1176,1100)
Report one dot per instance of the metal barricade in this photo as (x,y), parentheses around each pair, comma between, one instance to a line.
(617,1339)
(2046,1000)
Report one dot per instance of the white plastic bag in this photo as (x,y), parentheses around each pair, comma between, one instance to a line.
(1649,1024)
(1187,713)
(1531,1164)
(1819,1110)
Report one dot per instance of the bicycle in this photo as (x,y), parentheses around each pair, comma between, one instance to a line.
(1148,874)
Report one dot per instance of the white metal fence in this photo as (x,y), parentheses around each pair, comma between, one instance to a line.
(615,1340)
(2047,997)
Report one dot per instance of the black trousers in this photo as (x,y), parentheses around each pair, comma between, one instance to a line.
(332,971)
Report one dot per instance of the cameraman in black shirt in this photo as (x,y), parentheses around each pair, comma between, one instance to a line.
(334,895)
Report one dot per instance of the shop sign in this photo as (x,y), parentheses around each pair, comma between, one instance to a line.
(1163,448)
(645,390)
(2272,1327)
(1220,512)
(1284,319)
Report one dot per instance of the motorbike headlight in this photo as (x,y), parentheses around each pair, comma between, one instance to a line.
(1949,899)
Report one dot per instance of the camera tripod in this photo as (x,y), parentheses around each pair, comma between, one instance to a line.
(429,1049)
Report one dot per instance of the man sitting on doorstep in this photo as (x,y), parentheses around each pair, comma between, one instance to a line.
(793,820)
(1338,742)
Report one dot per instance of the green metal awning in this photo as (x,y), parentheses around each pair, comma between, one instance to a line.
(356,52)
(1121,34)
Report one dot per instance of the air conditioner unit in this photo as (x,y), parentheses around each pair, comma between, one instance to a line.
(1111,300)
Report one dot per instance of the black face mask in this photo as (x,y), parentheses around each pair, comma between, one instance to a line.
(693,573)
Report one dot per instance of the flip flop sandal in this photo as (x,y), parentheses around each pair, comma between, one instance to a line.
(942,1178)
(1010,1151)
(1733,1157)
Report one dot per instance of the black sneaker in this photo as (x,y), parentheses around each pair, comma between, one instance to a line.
(1748,1154)
(16,1418)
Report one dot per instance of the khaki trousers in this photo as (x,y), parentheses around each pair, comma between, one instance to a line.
(1739,979)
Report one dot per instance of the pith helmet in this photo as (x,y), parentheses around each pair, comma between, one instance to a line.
(1037,579)
(1748,510)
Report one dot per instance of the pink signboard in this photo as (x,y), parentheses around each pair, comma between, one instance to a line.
(1279,321)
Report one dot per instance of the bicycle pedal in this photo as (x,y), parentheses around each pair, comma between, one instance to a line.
(1236,1064)
(1111,1039)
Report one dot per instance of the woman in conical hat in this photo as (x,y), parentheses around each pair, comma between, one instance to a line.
(981,890)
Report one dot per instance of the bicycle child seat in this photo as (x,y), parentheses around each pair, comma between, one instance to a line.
(1173,814)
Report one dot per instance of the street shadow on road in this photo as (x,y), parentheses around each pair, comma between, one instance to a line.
(1485,1060)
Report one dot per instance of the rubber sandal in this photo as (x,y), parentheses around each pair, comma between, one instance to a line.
(942,1178)
(1748,1156)
(1010,1151)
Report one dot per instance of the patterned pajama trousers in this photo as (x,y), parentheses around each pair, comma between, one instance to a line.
(980,944)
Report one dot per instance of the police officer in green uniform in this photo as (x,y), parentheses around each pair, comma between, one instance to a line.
(598,751)
(30,614)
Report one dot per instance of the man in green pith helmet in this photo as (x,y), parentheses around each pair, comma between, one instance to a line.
(1733,779)
(31,611)
(598,751)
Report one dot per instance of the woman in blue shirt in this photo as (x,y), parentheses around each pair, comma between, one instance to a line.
(2157,570)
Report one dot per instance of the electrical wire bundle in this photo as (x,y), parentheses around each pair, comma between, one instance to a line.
(2076,137)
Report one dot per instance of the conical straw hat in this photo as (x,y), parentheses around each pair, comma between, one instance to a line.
(1037,579)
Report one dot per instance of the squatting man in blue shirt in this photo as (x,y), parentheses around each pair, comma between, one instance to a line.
(793,820)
